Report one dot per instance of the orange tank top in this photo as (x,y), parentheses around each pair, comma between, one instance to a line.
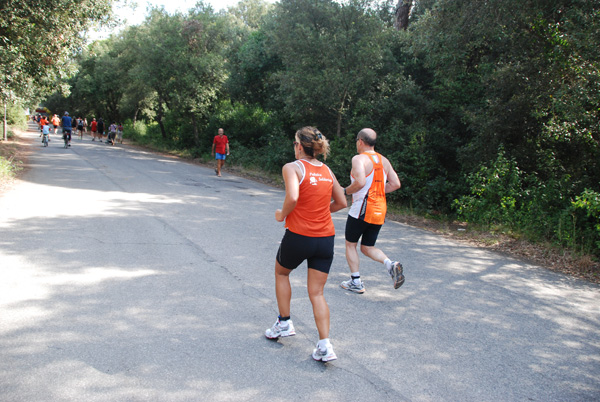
(311,216)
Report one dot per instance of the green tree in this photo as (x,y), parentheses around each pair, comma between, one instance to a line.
(330,53)
(178,65)
(249,64)
(250,12)
(512,78)
(36,47)
(252,70)
(200,65)
(523,82)
(99,86)
(156,44)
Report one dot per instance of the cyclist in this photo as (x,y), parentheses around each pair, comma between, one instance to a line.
(45,134)
(67,124)
(42,123)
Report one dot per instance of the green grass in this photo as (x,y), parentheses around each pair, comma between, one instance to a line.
(8,168)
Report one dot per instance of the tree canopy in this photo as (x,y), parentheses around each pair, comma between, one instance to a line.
(38,40)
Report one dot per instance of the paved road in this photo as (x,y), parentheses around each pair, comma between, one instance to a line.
(126,276)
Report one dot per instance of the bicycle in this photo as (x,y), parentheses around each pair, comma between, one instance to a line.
(66,137)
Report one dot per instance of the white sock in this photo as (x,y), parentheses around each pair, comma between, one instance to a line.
(355,278)
(388,264)
(322,344)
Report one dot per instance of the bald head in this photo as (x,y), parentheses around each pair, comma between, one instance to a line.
(368,136)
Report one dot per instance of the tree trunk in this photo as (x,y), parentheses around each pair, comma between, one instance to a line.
(4,123)
(195,130)
(403,9)
(162,127)
(159,117)
(340,115)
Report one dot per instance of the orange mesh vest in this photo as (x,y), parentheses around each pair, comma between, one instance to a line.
(374,206)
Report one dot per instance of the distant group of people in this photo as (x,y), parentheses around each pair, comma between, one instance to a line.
(44,125)
(312,194)
(112,135)
(69,124)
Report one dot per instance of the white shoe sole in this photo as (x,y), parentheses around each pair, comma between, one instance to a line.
(282,334)
(359,291)
(319,358)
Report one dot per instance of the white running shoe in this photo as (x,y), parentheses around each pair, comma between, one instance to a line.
(349,285)
(279,331)
(324,355)
(397,274)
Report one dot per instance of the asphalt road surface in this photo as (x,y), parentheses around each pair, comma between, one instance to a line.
(128,276)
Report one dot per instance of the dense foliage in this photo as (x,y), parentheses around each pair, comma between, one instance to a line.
(485,111)
(38,39)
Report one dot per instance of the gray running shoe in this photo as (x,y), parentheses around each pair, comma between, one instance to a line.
(396,274)
(324,355)
(278,331)
(349,285)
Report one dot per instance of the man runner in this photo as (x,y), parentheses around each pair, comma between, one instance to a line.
(372,176)
(220,145)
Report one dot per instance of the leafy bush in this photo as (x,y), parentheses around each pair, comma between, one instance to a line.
(8,167)
(144,133)
(135,132)
(15,116)
(276,151)
(496,193)
(502,195)
(589,203)
(340,159)
(249,125)
(9,133)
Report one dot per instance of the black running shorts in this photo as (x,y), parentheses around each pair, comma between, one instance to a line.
(295,248)
(355,228)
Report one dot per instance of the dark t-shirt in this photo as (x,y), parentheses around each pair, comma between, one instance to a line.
(66,122)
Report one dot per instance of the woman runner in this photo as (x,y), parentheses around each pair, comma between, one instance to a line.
(309,188)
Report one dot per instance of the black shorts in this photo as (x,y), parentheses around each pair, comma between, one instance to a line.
(355,228)
(295,248)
